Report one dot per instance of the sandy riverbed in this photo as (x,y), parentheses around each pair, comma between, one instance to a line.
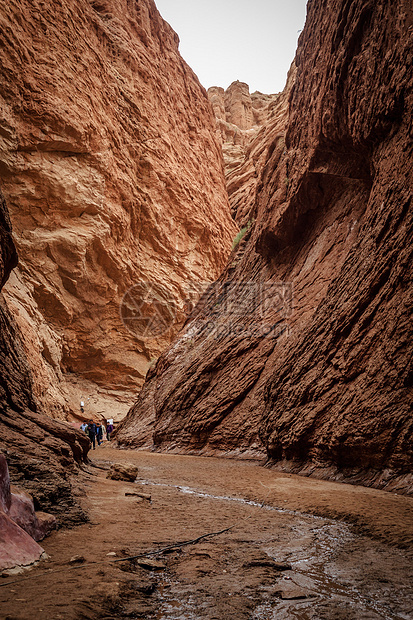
(296,548)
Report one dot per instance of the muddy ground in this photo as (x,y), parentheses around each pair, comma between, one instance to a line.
(275,558)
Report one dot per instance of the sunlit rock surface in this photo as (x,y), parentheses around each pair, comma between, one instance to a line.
(302,352)
(113,176)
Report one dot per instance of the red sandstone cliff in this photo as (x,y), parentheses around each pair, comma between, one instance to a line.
(302,351)
(113,176)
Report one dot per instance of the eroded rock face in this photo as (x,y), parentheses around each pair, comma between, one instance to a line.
(37,524)
(113,176)
(240,117)
(17,548)
(19,506)
(302,351)
(42,453)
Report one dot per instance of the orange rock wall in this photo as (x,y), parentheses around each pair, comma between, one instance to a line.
(112,175)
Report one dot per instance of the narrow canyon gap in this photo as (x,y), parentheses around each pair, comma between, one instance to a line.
(112,175)
(301,352)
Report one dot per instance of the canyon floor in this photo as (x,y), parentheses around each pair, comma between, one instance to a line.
(261,545)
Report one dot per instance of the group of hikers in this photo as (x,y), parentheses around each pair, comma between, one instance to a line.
(96,431)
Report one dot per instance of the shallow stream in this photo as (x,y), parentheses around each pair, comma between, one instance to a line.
(335,573)
(220,540)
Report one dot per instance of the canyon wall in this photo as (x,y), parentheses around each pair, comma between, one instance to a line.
(20,526)
(42,453)
(114,181)
(301,353)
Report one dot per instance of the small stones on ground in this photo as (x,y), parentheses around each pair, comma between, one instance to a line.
(77,559)
(12,572)
(137,494)
(150,564)
(280,566)
(111,553)
(293,593)
(146,588)
(172,550)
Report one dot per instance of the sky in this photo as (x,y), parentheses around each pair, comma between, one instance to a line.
(253,41)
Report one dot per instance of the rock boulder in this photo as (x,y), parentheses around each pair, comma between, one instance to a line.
(122,471)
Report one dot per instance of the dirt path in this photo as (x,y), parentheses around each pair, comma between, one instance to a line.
(275,562)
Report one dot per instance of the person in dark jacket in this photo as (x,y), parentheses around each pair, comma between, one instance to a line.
(109,430)
(91,431)
(99,434)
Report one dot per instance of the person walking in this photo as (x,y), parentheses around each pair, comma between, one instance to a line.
(109,430)
(99,434)
(91,431)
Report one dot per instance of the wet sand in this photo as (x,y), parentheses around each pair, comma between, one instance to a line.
(293,547)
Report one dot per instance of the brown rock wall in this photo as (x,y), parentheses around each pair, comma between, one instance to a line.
(342,394)
(302,352)
(42,453)
(113,175)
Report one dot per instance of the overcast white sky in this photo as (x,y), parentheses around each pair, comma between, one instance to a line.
(253,41)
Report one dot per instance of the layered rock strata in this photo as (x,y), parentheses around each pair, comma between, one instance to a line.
(113,177)
(301,353)
(42,453)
